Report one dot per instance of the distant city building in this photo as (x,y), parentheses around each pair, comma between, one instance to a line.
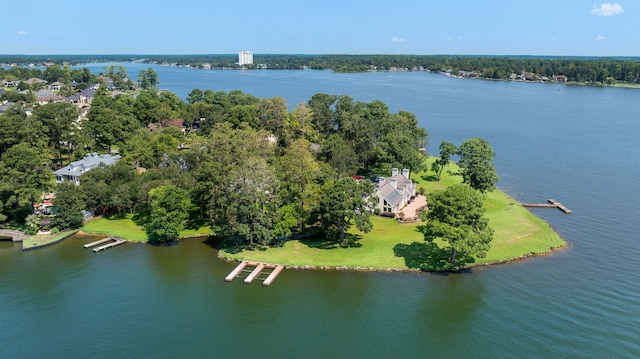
(245,58)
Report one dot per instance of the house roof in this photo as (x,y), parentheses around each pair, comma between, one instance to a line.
(34,80)
(390,194)
(395,194)
(43,93)
(50,98)
(6,106)
(89,162)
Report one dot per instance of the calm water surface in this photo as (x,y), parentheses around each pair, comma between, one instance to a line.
(578,145)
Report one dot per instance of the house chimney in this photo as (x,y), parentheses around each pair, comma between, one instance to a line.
(394,172)
(394,183)
(381,181)
(405,173)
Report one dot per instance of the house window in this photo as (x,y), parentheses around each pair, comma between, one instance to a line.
(386,207)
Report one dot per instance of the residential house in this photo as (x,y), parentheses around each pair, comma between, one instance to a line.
(73,171)
(10,83)
(559,78)
(84,97)
(395,192)
(56,86)
(6,106)
(34,80)
(43,100)
(107,82)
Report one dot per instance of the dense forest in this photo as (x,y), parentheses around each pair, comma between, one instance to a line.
(250,168)
(592,70)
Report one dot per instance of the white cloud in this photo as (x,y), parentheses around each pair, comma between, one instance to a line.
(397,39)
(451,38)
(599,37)
(22,32)
(607,9)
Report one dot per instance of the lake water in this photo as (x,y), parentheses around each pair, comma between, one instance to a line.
(578,145)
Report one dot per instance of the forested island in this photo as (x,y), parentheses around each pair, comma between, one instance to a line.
(248,171)
(580,70)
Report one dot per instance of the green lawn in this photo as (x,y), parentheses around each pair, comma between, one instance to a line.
(41,240)
(518,233)
(127,228)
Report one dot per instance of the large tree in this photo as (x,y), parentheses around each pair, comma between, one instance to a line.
(26,175)
(343,203)
(476,164)
(148,79)
(68,204)
(251,205)
(170,207)
(456,216)
(447,149)
(58,119)
(110,120)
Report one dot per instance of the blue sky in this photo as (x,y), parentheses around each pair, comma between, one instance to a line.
(422,27)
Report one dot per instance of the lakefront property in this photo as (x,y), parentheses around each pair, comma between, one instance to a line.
(232,149)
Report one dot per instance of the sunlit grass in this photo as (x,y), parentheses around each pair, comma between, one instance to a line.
(127,228)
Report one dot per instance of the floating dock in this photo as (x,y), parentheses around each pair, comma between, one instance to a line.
(552,204)
(255,270)
(113,242)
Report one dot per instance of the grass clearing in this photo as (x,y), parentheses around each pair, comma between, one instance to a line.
(127,228)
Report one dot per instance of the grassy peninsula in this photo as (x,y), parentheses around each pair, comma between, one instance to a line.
(391,245)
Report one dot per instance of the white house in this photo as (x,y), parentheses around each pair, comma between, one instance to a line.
(73,171)
(395,192)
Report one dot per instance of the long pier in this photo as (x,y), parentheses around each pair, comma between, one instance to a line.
(114,242)
(552,204)
(255,269)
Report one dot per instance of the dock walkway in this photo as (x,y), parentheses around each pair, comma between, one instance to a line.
(552,204)
(255,269)
(114,242)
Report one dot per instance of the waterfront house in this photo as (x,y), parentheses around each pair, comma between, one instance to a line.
(73,171)
(559,78)
(395,192)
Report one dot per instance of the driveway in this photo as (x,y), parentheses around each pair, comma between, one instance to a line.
(410,209)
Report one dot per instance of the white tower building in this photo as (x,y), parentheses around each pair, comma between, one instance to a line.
(245,58)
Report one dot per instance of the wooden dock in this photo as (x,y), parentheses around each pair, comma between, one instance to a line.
(104,240)
(552,204)
(255,270)
(111,242)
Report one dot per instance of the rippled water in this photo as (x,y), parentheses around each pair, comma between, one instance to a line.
(577,145)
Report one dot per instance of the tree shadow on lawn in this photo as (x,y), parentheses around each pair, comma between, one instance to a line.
(430,178)
(429,257)
(350,241)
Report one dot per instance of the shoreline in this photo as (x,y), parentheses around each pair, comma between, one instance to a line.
(311,267)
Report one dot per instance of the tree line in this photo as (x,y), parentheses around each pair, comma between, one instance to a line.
(250,168)
(594,70)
